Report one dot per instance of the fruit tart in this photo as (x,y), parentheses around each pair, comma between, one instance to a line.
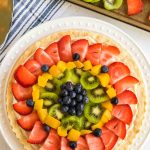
(75,90)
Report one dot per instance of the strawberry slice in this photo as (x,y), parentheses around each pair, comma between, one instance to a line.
(127,97)
(64,144)
(123,113)
(22,108)
(125,83)
(52,51)
(117,127)
(24,76)
(27,122)
(80,47)
(20,93)
(42,57)
(118,71)
(81,144)
(135,6)
(33,66)
(94,142)
(52,142)
(38,134)
(64,48)
(109,138)
(108,53)
(93,54)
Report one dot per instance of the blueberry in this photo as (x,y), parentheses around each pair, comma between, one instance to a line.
(69,86)
(79,97)
(80,106)
(83,92)
(73,144)
(73,102)
(72,111)
(66,100)
(79,112)
(76,56)
(72,94)
(104,69)
(114,101)
(78,88)
(64,108)
(46,127)
(97,132)
(85,99)
(64,93)
(63,86)
(45,68)
(30,103)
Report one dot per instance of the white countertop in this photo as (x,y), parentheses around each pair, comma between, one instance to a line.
(141,37)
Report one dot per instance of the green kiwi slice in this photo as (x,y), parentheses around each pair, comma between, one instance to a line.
(55,111)
(93,112)
(70,122)
(97,95)
(89,81)
(78,72)
(73,77)
(49,98)
(112,4)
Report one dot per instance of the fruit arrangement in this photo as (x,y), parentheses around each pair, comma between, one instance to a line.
(72,95)
(134,6)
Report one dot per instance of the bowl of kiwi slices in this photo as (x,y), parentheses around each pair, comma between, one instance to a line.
(76,84)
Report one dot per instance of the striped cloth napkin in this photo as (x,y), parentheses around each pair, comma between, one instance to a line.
(28,14)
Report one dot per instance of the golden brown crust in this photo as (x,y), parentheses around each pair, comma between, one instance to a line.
(138,110)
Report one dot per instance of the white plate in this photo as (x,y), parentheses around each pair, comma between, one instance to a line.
(70,23)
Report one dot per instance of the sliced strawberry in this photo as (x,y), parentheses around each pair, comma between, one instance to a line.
(125,83)
(42,57)
(64,48)
(52,142)
(109,138)
(135,6)
(65,144)
(117,127)
(80,47)
(27,122)
(22,108)
(52,51)
(93,54)
(81,144)
(108,52)
(38,134)
(123,113)
(127,97)
(20,93)
(33,66)
(94,142)
(118,71)
(24,76)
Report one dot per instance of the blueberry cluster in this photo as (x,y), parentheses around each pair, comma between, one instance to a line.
(73,97)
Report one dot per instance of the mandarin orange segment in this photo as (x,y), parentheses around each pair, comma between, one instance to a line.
(73,135)
(98,125)
(78,64)
(87,65)
(62,66)
(71,65)
(108,105)
(52,122)
(54,71)
(104,79)
(83,132)
(42,114)
(106,116)
(38,104)
(95,70)
(42,81)
(111,92)
(62,131)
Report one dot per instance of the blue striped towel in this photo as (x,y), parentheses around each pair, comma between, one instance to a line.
(28,14)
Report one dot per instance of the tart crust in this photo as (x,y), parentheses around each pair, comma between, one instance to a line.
(125,57)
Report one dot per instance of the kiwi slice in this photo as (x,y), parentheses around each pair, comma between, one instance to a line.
(55,111)
(62,78)
(70,122)
(49,98)
(97,95)
(112,4)
(93,112)
(73,77)
(89,81)
(78,72)
(87,124)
